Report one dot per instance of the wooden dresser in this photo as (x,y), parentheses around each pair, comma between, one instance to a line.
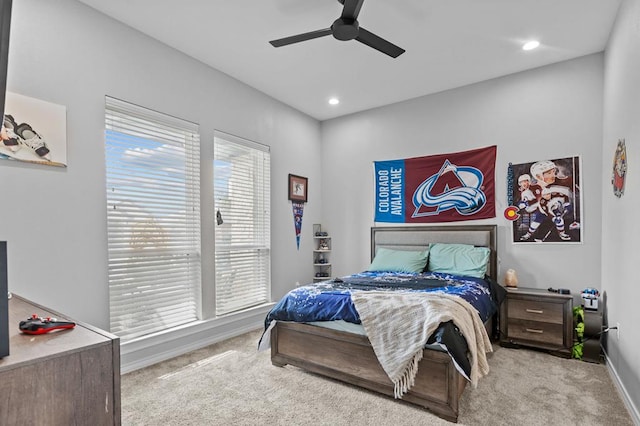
(537,318)
(65,377)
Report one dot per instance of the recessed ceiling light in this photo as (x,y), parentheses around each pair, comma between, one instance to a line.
(334,101)
(531,45)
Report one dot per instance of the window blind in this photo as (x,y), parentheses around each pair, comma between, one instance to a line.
(153,219)
(241,173)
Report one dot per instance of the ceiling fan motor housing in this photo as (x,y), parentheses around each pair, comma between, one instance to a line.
(345,29)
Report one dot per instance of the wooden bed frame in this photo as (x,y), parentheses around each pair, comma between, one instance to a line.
(350,358)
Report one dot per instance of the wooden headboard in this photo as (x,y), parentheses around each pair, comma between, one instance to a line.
(419,238)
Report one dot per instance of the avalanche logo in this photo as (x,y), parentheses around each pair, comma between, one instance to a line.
(453,187)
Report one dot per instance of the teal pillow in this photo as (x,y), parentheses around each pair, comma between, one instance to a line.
(459,259)
(399,260)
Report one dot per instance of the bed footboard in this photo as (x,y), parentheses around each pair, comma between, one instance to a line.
(351,359)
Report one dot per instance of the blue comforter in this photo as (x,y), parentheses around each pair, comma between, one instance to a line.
(331,300)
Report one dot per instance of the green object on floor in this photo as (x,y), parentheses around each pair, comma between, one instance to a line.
(578,321)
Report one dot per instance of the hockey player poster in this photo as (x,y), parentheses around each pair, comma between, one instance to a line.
(436,188)
(547,196)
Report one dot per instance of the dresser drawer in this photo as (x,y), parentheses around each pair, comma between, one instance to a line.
(535,310)
(536,331)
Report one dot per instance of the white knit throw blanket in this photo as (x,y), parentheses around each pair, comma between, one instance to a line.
(398,325)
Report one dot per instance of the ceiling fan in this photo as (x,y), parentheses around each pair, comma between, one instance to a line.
(346,27)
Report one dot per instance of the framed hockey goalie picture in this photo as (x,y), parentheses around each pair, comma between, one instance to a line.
(34,131)
(546,194)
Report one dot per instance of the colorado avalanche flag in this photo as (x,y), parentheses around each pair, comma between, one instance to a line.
(437,188)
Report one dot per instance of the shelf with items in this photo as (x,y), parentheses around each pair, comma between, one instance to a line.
(321,254)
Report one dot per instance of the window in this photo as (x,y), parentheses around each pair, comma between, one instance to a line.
(241,172)
(153,201)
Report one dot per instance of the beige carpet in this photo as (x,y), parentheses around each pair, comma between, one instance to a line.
(230,383)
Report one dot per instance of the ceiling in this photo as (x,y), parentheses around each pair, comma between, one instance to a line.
(448,43)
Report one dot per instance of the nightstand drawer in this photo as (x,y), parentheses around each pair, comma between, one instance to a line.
(537,331)
(535,310)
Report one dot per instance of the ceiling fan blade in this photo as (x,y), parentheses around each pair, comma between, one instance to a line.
(351,9)
(380,44)
(300,37)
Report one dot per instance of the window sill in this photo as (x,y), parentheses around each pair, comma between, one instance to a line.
(148,350)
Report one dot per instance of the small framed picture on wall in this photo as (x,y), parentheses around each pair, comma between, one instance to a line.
(297,188)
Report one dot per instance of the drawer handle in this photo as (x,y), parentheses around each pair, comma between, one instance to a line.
(535,311)
(534,330)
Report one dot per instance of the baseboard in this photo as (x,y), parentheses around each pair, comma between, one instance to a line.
(162,346)
(628,402)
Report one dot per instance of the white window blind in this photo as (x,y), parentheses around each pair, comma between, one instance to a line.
(153,201)
(241,173)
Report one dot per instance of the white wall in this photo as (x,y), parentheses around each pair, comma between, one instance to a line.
(55,219)
(621,232)
(549,112)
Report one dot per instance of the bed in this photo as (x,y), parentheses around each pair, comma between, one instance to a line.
(350,357)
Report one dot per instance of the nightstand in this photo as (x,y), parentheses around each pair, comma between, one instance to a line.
(537,318)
